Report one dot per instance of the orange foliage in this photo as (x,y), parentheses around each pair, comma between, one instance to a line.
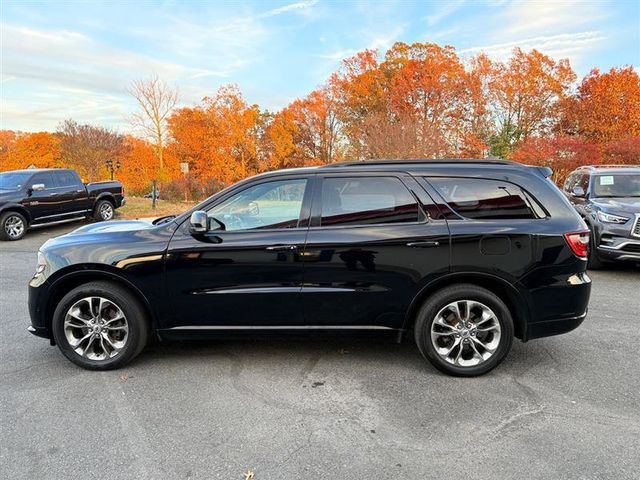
(40,149)
(420,100)
(607,106)
(563,154)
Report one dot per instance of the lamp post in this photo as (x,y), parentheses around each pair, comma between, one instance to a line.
(112,167)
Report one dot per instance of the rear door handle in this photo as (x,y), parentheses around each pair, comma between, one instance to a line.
(281,248)
(423,244)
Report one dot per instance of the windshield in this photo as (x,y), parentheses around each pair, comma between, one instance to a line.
(13,180)
(617,186)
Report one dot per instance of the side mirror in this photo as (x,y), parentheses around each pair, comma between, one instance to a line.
(36,187)
(577,191)
(199,222)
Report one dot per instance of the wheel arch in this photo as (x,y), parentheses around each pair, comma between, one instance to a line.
(510,295)
(105,196)
(16,207)
(71,280)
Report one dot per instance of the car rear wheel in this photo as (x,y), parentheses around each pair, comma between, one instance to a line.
(104,210)
(13,226)
(464,330)
(100,326)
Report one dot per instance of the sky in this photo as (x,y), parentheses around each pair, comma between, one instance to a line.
(76,60)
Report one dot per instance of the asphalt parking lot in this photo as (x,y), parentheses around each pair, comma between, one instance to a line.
(322,407)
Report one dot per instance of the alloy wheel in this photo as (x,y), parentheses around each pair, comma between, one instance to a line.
(96,328)
(14,226)
(465,333)
(106,211)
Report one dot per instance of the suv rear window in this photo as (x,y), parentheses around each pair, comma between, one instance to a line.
(366,200)
(486,199)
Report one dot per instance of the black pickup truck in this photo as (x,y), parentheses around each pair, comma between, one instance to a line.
(39,197)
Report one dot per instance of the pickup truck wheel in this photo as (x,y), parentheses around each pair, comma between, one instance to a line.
(13,226)
(104,210)
(464,330)
(100,326)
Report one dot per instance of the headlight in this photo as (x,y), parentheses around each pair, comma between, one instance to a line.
(42,263)
(608,218)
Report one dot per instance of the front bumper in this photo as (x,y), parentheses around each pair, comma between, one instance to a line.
(619,249)
(37,305)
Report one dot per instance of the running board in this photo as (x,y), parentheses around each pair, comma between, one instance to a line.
(74,219)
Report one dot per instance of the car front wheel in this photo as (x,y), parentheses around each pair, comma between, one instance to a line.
(464,330)
(100,326)
(13,226)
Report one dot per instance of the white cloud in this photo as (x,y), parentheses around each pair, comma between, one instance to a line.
(442,11)
(305,5)
(556,46)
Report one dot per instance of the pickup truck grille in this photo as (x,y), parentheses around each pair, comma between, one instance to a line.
(635,231)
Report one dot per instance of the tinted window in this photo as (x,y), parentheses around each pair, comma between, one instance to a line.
(267,205)
(484,199)
(66,178)
(366,200)
(45,178)
(13,181)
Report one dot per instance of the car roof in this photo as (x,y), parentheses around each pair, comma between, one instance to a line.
(37,170)
(610,169)
(411,166)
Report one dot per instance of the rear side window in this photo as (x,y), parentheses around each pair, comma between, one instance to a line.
(366,200)
(66,178)
(486,199)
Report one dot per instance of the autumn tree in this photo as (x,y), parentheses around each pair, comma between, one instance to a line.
(87,148)
(220,138)
(606,107)
(524,94)
(562,153)
(17,151)
(156,100)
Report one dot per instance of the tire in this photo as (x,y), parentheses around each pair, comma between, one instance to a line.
(496,332)
(95,352)
(594,262)
(103,211)
(13,226)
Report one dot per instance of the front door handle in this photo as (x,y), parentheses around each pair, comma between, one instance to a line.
(281,248)
(423,244)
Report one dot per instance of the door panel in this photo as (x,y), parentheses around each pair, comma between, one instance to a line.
(71,194)
(367,275)
(251,273)
(236,278)
(43,205)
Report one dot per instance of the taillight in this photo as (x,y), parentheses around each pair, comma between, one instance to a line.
(579,243)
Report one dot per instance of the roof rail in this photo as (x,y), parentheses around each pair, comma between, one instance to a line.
(594,167)
(420,161)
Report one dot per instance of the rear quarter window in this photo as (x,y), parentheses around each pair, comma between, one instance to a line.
(485,199)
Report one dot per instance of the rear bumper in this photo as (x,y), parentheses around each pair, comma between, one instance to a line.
(554,327)
(559,307)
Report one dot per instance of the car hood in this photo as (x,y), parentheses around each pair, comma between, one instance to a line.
(113,226)
(9,195)
(618,204)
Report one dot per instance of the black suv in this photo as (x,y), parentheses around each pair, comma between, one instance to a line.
(466,255)
(608,198)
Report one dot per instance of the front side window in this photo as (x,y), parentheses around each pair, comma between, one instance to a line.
(44,178)
(621,185)
(366,201)
(485,199)
(267,205)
